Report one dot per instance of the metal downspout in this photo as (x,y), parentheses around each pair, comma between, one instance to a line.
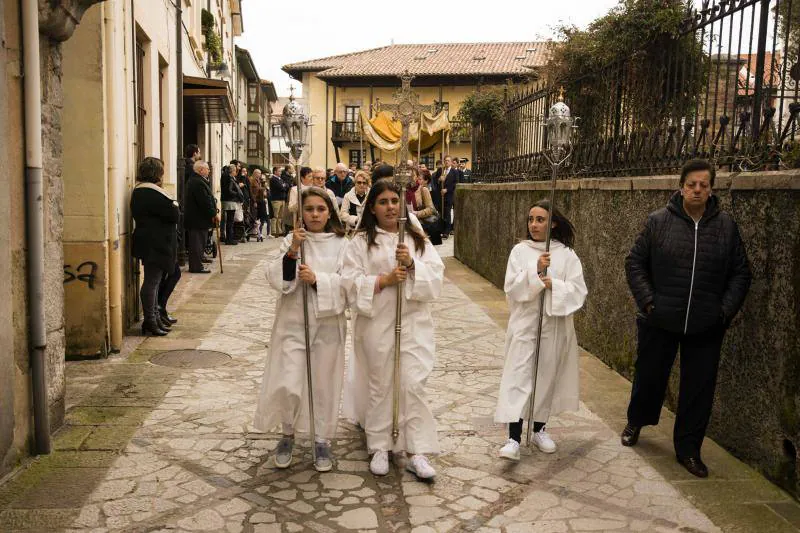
(114,177)
(34,215)
(181,163)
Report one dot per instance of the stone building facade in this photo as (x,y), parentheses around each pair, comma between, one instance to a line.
(57,22)
(109,94)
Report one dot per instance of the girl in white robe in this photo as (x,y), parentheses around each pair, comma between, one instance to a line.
(565,293)
(284,394)
(374,264)
(354,397)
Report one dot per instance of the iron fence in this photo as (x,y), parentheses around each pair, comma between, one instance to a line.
(725,88)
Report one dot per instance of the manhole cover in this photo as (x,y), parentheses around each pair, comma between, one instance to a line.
(190,359)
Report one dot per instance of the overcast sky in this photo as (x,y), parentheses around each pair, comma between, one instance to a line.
(278,33)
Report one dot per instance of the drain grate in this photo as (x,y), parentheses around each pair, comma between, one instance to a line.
(190,359)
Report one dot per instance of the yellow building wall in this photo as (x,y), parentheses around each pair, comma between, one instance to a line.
(85,189)
(314,94)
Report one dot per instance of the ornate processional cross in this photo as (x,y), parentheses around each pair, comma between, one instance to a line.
(406,109)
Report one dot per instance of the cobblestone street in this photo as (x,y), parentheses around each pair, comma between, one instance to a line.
(153,448)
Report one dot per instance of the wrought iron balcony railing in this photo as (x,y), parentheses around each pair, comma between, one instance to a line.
(345,131)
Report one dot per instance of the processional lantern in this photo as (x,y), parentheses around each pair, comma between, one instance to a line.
(295,132)
(559,125)
(294,124)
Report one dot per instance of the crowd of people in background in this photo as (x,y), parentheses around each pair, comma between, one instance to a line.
(264,206)
(255,205)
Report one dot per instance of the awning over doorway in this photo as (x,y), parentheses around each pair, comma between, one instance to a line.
(208,100)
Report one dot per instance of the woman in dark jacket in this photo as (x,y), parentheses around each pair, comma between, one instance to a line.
(155,239)
(247,204)
(232,197)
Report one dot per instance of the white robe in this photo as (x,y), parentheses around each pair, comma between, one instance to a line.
(371,393)
(557,378)
(354,401)
(284,396)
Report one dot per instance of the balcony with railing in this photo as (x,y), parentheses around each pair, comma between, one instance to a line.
(345,131)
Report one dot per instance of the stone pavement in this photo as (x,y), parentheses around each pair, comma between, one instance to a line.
(152,448)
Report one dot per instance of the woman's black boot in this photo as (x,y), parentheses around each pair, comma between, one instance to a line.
(151,327)
(163,324)
(166,317)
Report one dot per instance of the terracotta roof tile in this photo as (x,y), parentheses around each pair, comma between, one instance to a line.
(453,59)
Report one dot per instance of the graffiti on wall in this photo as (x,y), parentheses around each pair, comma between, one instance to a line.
(86,273)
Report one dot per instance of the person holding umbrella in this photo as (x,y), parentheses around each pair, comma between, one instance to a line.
(531,270)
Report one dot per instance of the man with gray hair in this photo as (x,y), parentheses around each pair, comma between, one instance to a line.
(340,183)
(199,215)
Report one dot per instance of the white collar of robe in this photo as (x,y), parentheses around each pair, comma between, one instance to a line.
(539,245)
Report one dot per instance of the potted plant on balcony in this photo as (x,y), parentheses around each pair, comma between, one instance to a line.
(213,44)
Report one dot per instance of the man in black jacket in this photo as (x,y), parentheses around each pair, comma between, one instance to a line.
(689,274)
(278,194)
(200,214)
(444,189)
(191,155)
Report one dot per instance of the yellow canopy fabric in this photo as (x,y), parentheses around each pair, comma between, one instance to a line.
(383,132)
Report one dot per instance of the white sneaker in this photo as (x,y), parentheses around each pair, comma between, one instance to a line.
(510,450)
(419,465)
(380,463)
(543,441)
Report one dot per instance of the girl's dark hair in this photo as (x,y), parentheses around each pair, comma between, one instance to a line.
(151,170)
(563,232)
(334,225)
(369,223)
(382,171)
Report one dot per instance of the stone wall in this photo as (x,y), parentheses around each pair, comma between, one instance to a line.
(52,143)
(12,431)
(757,409)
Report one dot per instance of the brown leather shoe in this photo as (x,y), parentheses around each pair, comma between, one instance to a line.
(630,435)
(694,465)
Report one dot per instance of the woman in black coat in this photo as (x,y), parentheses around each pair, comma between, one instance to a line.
(232,197)
(155,239)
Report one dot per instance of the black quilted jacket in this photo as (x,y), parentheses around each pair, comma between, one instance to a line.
(695,275)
